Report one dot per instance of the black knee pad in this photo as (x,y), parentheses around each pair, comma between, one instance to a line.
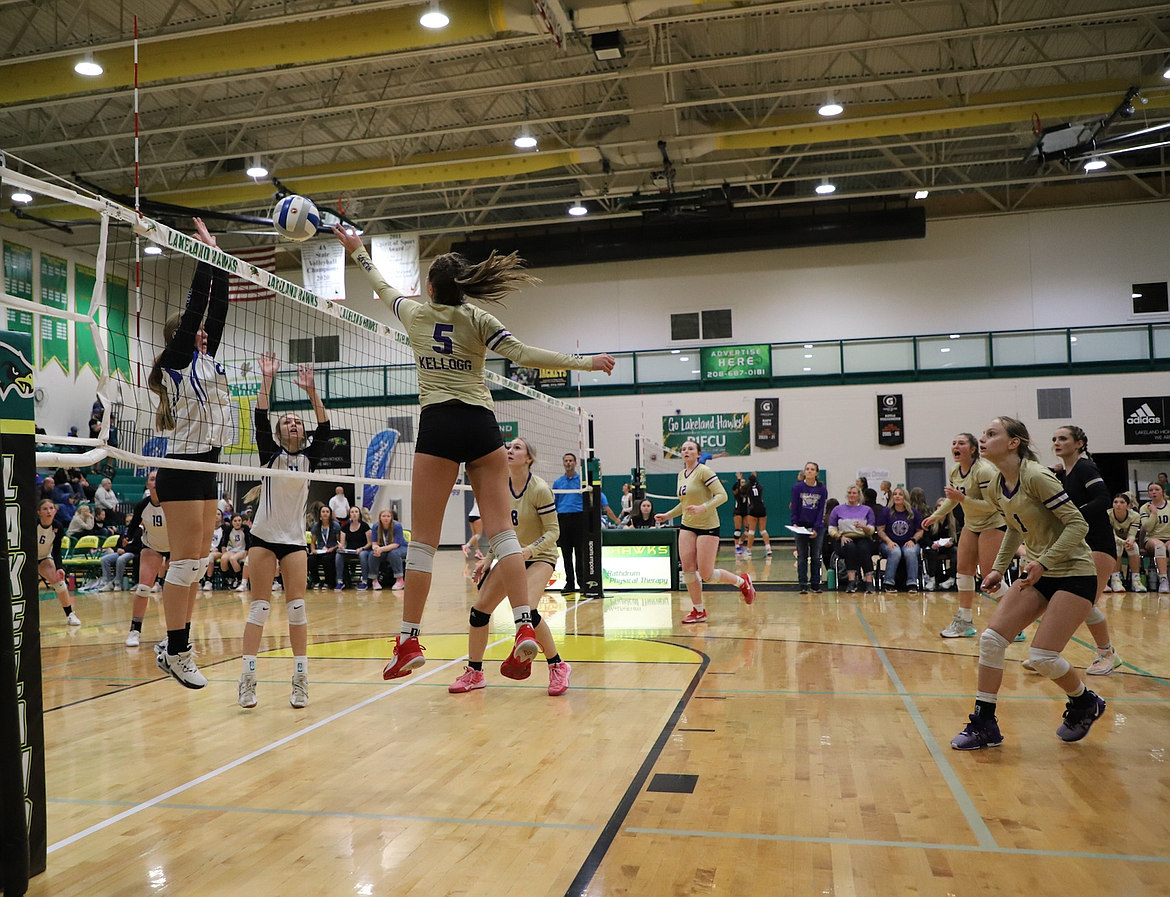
(479,618)
(535,618)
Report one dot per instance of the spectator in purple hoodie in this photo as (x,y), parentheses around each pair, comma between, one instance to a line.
(807,508)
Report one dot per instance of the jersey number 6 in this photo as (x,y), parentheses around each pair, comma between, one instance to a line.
(443,344)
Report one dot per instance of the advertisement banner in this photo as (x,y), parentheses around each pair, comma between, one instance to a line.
(509,430)
(22,733)
(337,454)
(891,427)
(54,294)
(736,362)
(323,270)
(396,256)
(18,282)
(1147,420)
(636,567)
(85,348)
(551,378)
(719,434)
(767,423)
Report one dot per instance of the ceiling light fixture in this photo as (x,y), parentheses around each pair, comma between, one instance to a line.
(831,108)
(824,188)
(434,17)
(152,250)
(1094,163)
(21,196)
(256,169)
(921,194)
(577,210)
(1166,74)
(525,140)
(608,45)
(88,67)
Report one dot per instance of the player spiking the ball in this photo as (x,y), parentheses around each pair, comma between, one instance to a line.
(450,339)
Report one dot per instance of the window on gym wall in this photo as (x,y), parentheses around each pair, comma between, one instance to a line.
(692,325)
(1150,299)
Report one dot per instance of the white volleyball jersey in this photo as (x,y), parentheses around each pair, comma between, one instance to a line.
(46,537)
(280,516)
(237,539)
(154,528)
(200,402)
(216,538)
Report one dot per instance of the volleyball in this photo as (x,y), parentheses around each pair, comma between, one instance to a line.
(296,218)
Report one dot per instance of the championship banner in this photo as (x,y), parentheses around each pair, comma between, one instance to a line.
(22,741)
(323,270)
(767,423)
(396,256)
(337,453)
(54,294)
(118,327)
(18,282)
(85,349)
(891,427)
(1147,420)
(736,362)
(719,434)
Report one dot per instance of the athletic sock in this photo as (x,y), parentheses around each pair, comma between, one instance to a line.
(409,630)
(136,624)
(522,615)
(967,614)
(1078,696)
(476,665)
(248,664)
(68,610)
(187,629)
(556,658)
(1106,650)
(985,707)
(301,665)
(177,641)
(699,607)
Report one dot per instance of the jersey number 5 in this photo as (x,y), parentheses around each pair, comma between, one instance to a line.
(443,344)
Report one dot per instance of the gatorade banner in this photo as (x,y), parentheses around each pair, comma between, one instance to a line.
(22,741)
(54,294)
(767,423)
(85,349)
(18,282)
(891,425)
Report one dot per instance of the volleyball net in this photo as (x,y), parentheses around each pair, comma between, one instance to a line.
(97,310)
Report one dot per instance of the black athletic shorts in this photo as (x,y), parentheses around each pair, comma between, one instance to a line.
(757,510)
(702,532)
(1085,586)
(1104,543)
(280,549)
(174,484)
(458,432)
(527,564)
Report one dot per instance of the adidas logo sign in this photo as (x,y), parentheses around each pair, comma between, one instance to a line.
(1143,415)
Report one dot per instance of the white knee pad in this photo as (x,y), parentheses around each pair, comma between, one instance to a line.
(142,590)
(1160,550)
(1048,663)
(420,557)
(296,613)
(690,577)
(763,534)
(992,647)
(258,613)
(965,582)
(505,543)
(184,572)
(1095,616)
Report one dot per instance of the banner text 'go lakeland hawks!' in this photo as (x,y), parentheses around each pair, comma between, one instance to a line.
(719,434)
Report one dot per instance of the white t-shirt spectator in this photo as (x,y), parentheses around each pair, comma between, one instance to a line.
(339,505)
(105,498)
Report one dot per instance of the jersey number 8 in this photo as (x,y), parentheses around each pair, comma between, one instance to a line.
(515,517)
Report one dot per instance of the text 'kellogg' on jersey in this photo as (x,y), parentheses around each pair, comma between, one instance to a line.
(428,363)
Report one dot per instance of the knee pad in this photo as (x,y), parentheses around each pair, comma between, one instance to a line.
(535,618)
(420,557)
(478,618)
(296,613)
(738,533)
(1048,663)
(258,613)
(992,647)
(763,534)
(1095,616)
(142,590)
(690,577)
(965,582)
(1160,550)
(504,544)
(184,572)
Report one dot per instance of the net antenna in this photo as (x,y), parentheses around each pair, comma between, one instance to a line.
(364,369)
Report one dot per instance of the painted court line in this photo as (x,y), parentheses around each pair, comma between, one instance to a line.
(913,845)
(978,826)
(227,767)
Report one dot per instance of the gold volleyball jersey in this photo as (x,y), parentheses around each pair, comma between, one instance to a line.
(451,341)
(700,486)
(1156,521)
(1041,515)
(979,513)
(1127,527)
(534,517)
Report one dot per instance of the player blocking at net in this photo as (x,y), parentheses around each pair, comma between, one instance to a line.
(278,529)
(450,338)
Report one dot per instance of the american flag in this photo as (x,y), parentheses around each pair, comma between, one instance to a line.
(262,257)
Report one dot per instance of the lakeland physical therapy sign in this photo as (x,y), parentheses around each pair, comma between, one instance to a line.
(718,434)
(736,362)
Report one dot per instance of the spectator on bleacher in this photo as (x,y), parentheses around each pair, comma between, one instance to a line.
(66,506)
(234,546)
(324,561)
(339,504)
(225,507)
(627,503)
(104,496)
(939,550)
(388,548)
(80,485)
(102,527)
(643,518)
(854,523)
(355,539)
(95,424)
(887,494)
(862,484)
(1163,481)
(82,523)
(900,529)
(215,555)
(1155,517)
(48,489)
